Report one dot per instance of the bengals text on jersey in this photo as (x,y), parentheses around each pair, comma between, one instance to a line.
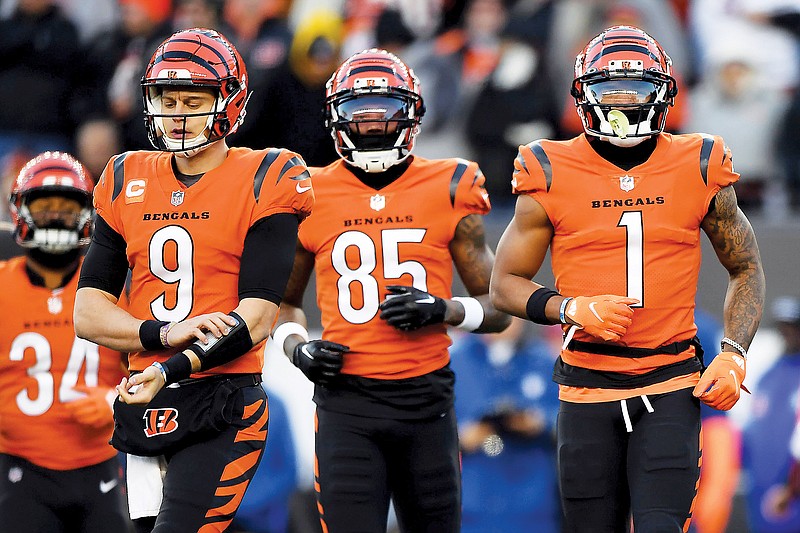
(365,239)
(184,244)
(634,233)
(42,363)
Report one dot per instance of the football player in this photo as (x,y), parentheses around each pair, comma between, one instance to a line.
(621,209)
(208,233)
(57,470)
(386,231)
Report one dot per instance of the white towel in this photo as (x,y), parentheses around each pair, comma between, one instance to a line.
(145,485)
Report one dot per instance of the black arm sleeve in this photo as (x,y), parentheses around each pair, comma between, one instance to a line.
(106,263)
(268,257)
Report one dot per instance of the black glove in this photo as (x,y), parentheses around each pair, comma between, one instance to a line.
(407,308)
(319,360)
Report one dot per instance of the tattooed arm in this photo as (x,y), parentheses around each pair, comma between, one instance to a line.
(735,244)
(473,260)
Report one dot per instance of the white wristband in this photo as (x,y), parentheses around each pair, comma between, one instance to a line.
(735,345)
(473,313)
(284,330)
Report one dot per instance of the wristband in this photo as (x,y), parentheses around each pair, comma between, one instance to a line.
(283,331)
(563,309)
(150,334)
(733,344)
(176,368)
(536,305)
(473,313)
(163,332)
(161,369)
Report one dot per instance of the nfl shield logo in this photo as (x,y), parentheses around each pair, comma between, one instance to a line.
(377,202)
(54,304)
(177,198)
(626,183)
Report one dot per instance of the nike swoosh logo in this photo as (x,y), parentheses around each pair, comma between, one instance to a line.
(302,189)
(428,300)
(591,308)
(735,379)
(106,486)
(304,349)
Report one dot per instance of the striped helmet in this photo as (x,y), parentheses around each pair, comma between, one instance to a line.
(52,174)
(373,108)
(195,59)
(623,84)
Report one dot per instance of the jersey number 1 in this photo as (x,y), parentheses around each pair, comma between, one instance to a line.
(634,254)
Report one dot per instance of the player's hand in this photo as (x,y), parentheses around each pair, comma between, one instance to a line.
(94,409)
(407,308)
(719,386)
(605,316)
(183,333)
(319,360)
(140,388)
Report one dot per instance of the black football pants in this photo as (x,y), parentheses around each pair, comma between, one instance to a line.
(362,462)
(608,474)
(205,481)
(85,500)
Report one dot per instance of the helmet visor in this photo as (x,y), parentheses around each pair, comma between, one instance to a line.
(373,108)
(623,92)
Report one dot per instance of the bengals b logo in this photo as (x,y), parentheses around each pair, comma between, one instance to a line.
(160,421)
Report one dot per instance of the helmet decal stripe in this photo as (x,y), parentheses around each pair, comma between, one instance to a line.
(216,52)
(622,48)
(186,56)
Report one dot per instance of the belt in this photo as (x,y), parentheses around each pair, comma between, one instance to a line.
(674,348)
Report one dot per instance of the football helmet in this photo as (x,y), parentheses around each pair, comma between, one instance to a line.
(52,174)
(195,58)
(373,108)
(623,85)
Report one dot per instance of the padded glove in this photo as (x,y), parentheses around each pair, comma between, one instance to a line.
(407,308)
(605,316)
(319,360)
(720,383)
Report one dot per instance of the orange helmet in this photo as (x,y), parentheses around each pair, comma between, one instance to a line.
(52,174)
(626,70)
(197,58)
(373,87)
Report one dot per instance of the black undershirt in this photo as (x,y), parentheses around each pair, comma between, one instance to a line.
(38,281)
(186,179)
(624,157)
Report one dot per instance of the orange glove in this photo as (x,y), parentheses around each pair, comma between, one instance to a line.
(720,383)
(94,409)
(605,316)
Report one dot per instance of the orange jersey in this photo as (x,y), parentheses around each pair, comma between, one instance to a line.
(41,363)
(184,244)
(632,233)
(365,239)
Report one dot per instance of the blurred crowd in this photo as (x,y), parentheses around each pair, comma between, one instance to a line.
(495,74)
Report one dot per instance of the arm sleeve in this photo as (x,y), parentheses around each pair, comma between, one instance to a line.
(268,257)
(106,263)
